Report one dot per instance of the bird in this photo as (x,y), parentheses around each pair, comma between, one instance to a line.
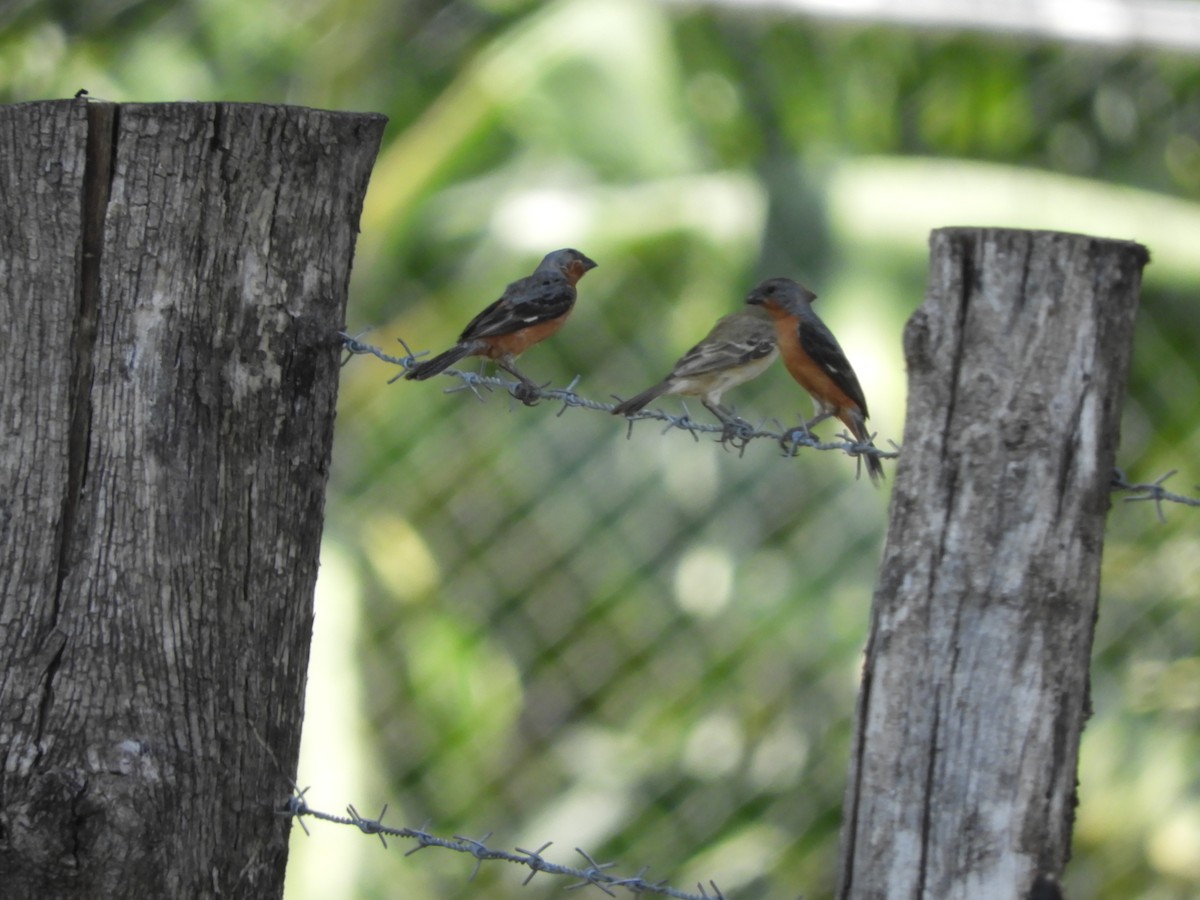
(738,348)
(814,358)
(530,310)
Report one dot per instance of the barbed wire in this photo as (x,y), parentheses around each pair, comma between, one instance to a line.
(595,874)
(1153,491)
(738,435)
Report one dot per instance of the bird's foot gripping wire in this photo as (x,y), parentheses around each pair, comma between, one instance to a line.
(736,433)
(528,392)
(792,439)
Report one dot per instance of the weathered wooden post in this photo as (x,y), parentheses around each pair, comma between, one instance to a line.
(171,280)
(975,689)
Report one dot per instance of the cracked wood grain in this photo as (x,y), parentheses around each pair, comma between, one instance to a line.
(172,279)
(975,685)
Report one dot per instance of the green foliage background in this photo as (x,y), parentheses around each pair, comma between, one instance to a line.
(649,647)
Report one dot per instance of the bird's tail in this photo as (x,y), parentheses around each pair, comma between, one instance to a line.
(639,401)
(439,363)
(858,427)
(874,468)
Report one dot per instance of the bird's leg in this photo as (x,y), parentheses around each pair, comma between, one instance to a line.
(792,435)
(789,441)
(817,420)
(725,416)
(527,390)
(735,430)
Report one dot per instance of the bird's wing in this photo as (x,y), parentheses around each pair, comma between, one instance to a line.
(729,345)
(822,347)
(536,298)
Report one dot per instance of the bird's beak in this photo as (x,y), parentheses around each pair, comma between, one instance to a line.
(754,298)
(588,264)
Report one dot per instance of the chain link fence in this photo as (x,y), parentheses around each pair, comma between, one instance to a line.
(648,646)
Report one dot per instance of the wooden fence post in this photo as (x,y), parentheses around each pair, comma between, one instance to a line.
(975,687)
(171,280)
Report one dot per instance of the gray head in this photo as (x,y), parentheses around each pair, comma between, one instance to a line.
(570,262)
(781,295)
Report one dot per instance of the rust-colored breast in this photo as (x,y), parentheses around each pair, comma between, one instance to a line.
(517,342)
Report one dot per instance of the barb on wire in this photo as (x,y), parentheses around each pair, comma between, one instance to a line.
(594,874)
(736,435)
(1153,491)
(355,347)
